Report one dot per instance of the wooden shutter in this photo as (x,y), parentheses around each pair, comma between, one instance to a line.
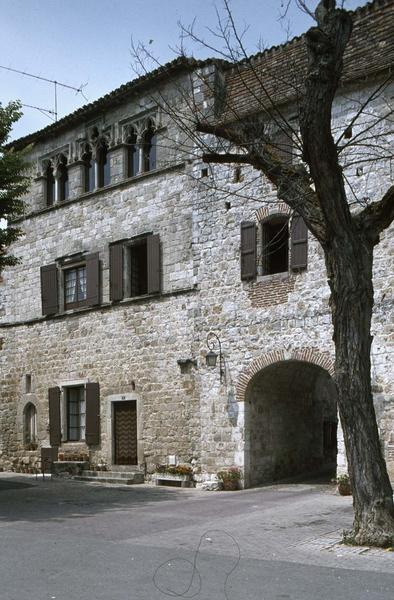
(93,279)
(248,250)
(299,243)
(54,416)
(153,261)
(92,434)
(116,271)
(49,290)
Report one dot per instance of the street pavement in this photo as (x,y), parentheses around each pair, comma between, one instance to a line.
(68,540)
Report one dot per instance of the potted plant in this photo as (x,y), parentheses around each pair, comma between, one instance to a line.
(343,485)
(174,472)
(230,478)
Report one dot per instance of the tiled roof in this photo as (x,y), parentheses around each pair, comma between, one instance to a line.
(112,98)
(275,75)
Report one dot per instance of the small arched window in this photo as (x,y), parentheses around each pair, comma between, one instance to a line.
(275,245)
(30,425)
(149,148)
(103,167)
(88,170)
(50,185)
(133,157)
(63,180)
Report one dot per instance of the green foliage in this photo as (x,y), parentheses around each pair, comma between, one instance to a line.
(174,470)
(343,479)
(231,474)
(14,183)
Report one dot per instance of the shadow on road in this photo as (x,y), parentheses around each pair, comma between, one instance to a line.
(28,499)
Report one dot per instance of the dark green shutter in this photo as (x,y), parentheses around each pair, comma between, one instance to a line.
(299,243)
(248,250)
(153,261)
(49,290)
(54,416)
(92,434)
(93,279)
(116,271)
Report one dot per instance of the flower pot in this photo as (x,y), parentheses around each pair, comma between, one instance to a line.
(344,489)
(230,485)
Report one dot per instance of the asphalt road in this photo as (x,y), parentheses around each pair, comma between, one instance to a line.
(76,541)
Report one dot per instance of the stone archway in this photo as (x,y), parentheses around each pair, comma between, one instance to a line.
(290,422)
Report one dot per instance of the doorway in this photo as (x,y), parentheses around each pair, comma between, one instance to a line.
(125,433)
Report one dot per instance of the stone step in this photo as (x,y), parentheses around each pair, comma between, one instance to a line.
(111,477)
(119,474)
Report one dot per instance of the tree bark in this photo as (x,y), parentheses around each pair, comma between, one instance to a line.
(349,265)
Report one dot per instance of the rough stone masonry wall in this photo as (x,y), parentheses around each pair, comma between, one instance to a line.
(129,348)
(192,415)
(290,315)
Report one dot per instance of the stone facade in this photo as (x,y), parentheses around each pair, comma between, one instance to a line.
(275,331)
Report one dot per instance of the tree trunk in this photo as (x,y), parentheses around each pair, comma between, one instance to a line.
(349,265)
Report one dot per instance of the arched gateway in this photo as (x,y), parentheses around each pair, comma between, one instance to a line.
(290,417)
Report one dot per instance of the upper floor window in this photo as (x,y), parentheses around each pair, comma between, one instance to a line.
(50,186)
(283,243)
(70,284)
(75,287)
(275,245)
(133,156)
(88,170)
(63,188)
(135,267)
(149,142)
(103,166)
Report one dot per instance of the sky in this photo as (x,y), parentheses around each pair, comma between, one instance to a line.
(89,42)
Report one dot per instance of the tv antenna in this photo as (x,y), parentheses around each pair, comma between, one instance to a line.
(52,114)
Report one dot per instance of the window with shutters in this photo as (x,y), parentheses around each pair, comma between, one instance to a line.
(74,413)
(69,284)
(282,243)
(135,267)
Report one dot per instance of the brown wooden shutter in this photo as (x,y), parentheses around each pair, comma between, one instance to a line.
(49,290)
(248,250)
(54,416)
(93,279)
(153,260)
(116,271)
(299,243)
(92,435)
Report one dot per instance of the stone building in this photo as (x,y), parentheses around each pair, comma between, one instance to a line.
(132,258)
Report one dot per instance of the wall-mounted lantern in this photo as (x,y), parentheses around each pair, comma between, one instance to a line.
(211,356)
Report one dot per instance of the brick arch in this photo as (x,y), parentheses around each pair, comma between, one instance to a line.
(310,355)
(275,208)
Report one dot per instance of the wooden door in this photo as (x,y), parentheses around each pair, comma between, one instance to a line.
(125,433)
